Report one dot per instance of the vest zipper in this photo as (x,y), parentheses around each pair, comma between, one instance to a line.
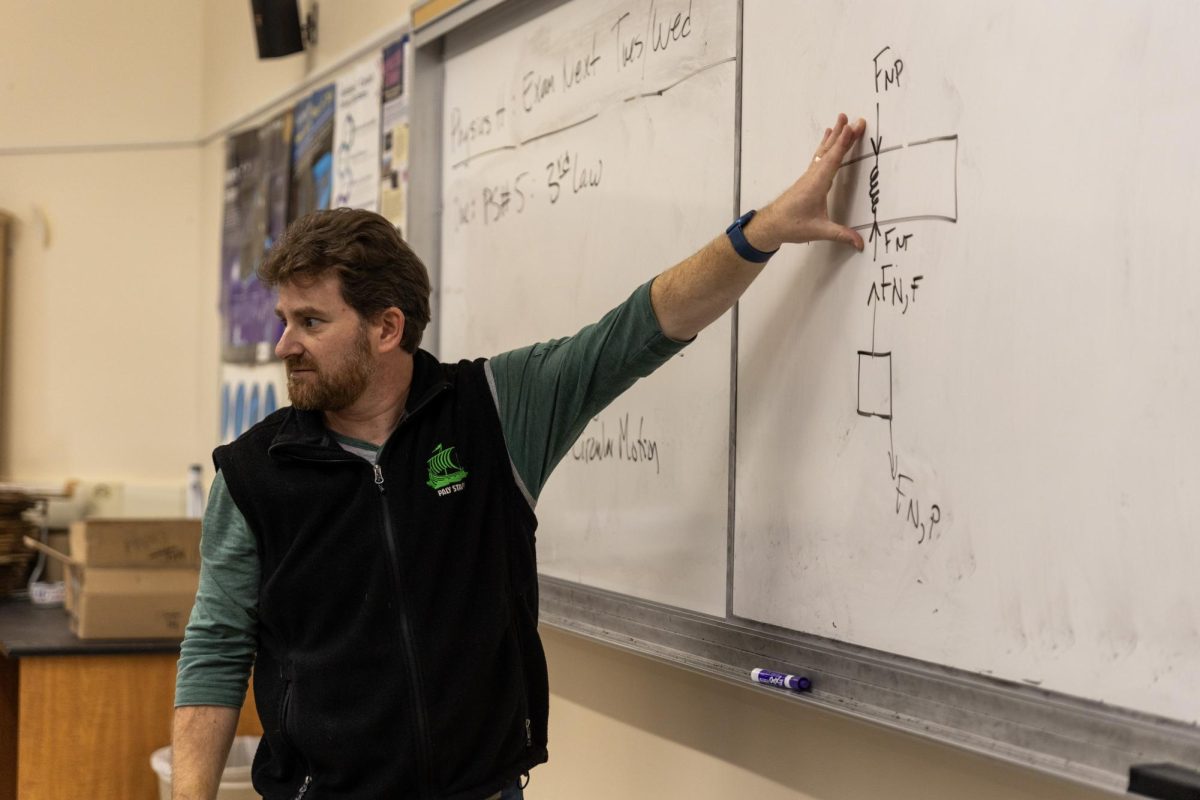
(424,747)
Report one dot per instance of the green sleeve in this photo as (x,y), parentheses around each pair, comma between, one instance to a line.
(547,393)
(218,647)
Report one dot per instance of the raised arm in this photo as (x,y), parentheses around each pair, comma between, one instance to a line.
(699,289)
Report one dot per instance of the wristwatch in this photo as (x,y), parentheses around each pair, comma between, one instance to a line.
(738,239)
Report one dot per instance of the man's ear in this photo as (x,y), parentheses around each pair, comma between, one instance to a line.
(391,329)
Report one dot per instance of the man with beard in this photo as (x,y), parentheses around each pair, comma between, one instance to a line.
(370,549)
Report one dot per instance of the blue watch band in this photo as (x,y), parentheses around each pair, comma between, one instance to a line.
(738,239)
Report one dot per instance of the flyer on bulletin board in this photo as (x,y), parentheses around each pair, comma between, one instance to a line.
(356,137)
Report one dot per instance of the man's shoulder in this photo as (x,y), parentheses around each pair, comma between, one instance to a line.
(431,371)
(426,362)
(261,434)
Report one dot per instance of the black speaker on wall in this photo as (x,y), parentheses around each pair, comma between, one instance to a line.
(277,27)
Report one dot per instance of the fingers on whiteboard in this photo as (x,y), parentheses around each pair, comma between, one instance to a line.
(841,234)
(843,140)
(852,238)
(823,146)
(830,138)
(843,136)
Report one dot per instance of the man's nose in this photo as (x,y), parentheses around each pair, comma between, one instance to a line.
(287,345)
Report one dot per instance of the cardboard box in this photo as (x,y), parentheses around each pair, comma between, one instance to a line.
(173,543)
(109,603)
(125,602)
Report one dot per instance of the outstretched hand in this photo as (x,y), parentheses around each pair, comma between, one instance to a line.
(801,214)
(690,295)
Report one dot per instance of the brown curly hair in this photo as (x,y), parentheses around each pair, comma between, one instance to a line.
(377,268)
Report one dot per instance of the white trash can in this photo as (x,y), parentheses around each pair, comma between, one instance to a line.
(235,780)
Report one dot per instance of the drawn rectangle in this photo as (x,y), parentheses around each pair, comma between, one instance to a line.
(875,384)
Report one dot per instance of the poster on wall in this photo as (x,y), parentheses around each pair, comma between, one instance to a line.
(241,153)
(356,137)
(249,393)
(312,153)
(393,189)
(238,258)
(257,173)
(271,202)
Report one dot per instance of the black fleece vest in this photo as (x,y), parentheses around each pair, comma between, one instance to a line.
(398,654)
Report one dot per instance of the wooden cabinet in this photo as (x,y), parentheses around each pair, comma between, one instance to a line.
(84,724)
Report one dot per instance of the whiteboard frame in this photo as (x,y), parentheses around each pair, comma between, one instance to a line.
(1079,740)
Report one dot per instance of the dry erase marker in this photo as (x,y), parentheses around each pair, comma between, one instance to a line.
(794,682)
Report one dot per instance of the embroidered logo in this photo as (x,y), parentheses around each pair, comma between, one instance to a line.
(445,473)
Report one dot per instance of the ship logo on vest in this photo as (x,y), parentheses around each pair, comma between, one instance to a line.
(445,473)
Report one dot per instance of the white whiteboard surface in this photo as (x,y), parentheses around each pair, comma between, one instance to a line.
(1042,384)
(584,152)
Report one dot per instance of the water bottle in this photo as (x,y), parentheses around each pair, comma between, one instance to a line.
(195,493)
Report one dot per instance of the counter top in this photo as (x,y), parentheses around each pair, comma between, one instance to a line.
(29,630)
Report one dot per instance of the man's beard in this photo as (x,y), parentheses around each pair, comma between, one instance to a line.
(335,389)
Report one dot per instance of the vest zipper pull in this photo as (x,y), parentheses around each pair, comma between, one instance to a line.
(378,477)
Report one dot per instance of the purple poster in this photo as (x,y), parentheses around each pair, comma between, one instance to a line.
(257,189)
(393,70)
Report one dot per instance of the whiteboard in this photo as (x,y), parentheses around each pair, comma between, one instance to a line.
(585,151)
(976,446)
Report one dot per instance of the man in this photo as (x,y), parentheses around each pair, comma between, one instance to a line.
(370,550)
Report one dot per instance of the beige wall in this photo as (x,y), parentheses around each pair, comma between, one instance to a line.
(85,72)
(98,165)
(103,316)
(113,345)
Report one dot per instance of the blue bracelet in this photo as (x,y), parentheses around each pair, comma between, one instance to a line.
(737,238)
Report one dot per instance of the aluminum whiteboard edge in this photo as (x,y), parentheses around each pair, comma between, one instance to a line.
(1079,740)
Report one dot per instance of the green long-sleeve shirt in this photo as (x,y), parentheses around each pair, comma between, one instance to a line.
(545,393)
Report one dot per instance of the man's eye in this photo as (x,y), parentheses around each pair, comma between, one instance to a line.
(311,322)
